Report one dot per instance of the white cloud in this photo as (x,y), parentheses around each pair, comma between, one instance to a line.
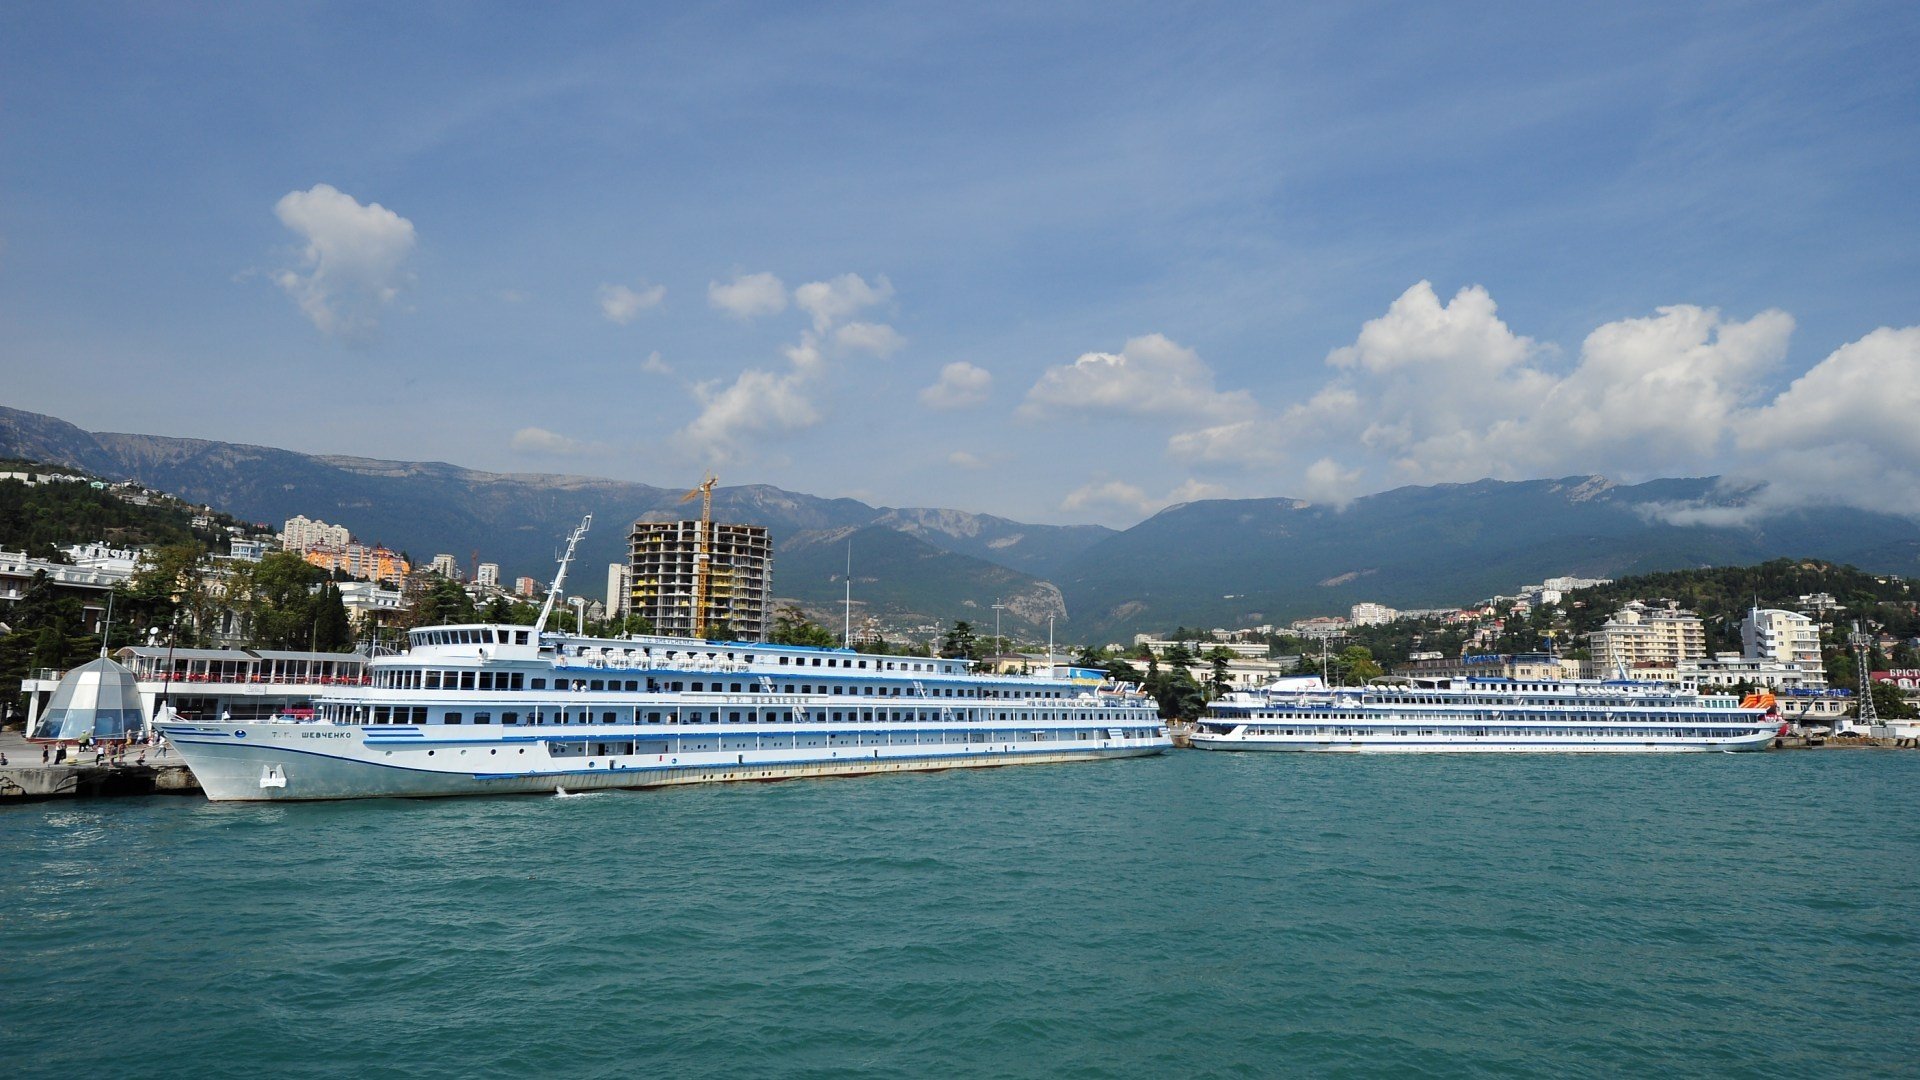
(749,295)
(1110,495)
(1119,495)
(534,440)
(763,404)
(877,338)
(1150,376)
(1843,432)
(354,259)
(963,459)
(1435,393)
(622,304)
(960,385)
(830,301)
(755,405)
(654,365)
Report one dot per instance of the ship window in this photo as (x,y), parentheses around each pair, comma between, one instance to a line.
(505,718)
(863,663)
(607,718)
(483,718)
(633,684)
(816,661)
(539,684)
(783,661)
(453,718)
(466,680)
(419,714)
(597,684)
(733,717)
(433,680)
(486,680)
(516,679)
(519,637)
(736,688)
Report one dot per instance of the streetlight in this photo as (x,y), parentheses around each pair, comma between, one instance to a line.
(998,607)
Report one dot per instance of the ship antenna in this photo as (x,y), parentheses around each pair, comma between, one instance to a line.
(559,579)
(846,617)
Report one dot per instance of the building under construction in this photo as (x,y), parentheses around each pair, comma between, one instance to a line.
(666,561)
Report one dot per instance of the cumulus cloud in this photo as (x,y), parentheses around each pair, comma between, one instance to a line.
(353,265)
(1119,495)
(1150,376)
(877,338)
(622,303)
(1434,392)
(654,365)
(756,405)
(534,440)
(835,299)
(761,404)
(748,296)
(1843,432)
(960,385)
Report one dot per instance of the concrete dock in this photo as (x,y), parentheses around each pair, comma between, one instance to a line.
(25,779)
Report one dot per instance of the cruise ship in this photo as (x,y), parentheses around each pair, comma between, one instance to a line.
(1482,715)
(490,708)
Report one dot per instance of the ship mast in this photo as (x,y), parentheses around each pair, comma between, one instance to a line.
(560,578)
(703,552)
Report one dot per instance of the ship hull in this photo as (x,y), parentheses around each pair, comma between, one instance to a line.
(1389,745)
(271,762)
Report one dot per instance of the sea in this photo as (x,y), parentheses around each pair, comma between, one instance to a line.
(1194,914)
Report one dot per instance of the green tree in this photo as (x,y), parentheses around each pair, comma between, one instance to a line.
(1217,661)
(332,631)
(1355,666)
(1120,671)
(444,603)
(1887,703)
(791,627)
(960,644)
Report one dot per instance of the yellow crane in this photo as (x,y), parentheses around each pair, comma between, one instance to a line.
(702,552)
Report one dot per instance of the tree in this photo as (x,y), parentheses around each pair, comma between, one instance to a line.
(444,603)
(1888,704)
(1355,666)
(1217,679)
(1089,657)
(960,644)
(332,632)
(791,627)
(1121,671)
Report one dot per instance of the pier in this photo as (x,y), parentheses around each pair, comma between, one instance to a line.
(25,779)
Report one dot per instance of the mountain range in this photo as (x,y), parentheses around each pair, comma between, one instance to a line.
(1219,562)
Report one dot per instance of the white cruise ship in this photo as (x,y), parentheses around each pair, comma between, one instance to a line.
(1480,715)
(473,710)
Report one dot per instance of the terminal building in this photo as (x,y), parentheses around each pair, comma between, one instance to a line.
(665,563)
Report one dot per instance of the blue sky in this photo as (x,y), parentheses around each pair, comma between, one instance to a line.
(1064,263)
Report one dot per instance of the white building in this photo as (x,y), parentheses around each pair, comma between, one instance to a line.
(247,550)
(366,600)
(1371,614)
(1644,636)
(1727,669)
(446,566)
(488,575)
(301,534)
(619,589)
(1787,637)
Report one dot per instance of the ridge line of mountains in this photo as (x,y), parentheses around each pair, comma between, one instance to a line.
(1216,562)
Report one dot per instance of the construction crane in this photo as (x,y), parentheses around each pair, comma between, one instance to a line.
(702,551)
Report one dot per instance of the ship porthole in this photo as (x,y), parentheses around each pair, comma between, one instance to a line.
(429,753)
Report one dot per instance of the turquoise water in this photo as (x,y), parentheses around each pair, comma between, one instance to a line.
(1195,914)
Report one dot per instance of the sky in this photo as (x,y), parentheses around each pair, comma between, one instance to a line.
(1060,263)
